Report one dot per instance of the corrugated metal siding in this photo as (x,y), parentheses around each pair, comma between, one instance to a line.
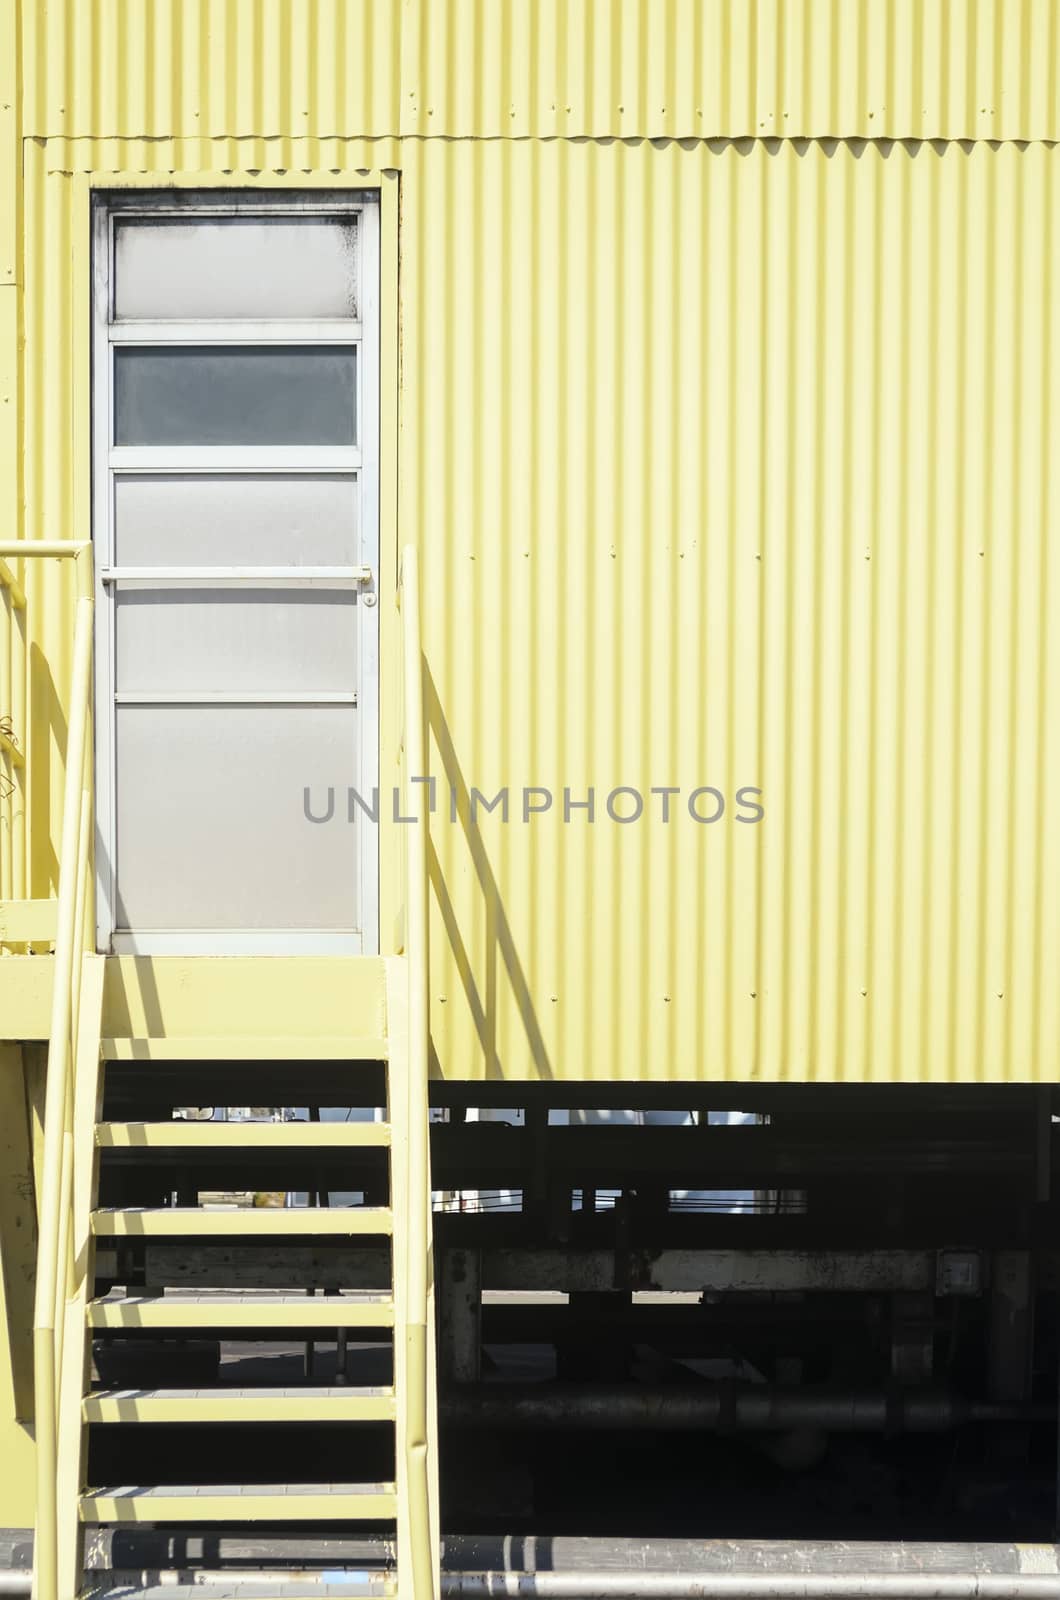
(730,463)
(54,488)
(683,69)
(737,468)
(211,68)
(10,170)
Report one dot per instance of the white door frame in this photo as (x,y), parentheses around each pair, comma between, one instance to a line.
(362,460)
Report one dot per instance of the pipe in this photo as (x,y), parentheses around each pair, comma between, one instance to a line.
(619,1585)
(721,1407)
(633,1585)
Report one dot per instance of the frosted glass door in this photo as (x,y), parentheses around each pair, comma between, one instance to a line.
(237,560)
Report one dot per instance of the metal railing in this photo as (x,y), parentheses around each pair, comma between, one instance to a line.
(54,1246)
(418,1191)
(54,1263)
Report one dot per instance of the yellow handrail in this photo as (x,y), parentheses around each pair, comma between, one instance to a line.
(56,548)
(56,1163)
(418,1196)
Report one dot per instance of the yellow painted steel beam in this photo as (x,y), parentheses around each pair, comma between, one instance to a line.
(25,996)
(320,1404)
(266,1047)
(28,921)
(368,1587)
(214,1008)
(263,1223)
(241,1135)
(299,1003)
(294,1502)
(218,1586)
(252,1311)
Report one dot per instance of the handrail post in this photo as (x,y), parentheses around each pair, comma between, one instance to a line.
(64,1241)
(67,941)
(418,1170)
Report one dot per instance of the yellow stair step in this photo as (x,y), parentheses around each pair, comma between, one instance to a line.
(329,1403)
(177,1134)
(232,1047)
(265,1222)
(263,1585)
(273,1502)
(280,1586)
(222,1309)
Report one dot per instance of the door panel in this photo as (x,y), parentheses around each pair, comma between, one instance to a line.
(207,833)
(244,675)
(222,520)
(235,640)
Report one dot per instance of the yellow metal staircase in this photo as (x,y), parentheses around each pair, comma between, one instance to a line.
(92,1253)
(86,1408)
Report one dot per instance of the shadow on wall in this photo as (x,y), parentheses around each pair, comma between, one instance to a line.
(501,953)
(46,715)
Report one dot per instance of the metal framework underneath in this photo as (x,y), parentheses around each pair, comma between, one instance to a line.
(851,1334)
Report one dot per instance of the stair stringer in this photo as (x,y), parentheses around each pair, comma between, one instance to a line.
(75,1359)
(79,1268)
(401,1111)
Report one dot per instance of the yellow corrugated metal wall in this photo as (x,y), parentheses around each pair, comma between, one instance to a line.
(899,69)
(729,458)
(733,466)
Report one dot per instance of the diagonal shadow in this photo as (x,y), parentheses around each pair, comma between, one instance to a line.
(46,712)
(500,943)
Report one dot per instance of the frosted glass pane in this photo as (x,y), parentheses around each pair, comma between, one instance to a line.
(233,395)
(211,830)
(253,267)
(232,521)
(179,640)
